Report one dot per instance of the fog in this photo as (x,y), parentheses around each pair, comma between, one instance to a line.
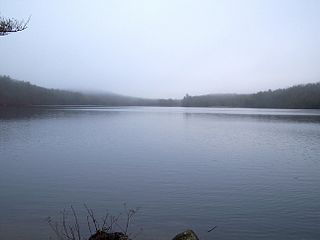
(163,48)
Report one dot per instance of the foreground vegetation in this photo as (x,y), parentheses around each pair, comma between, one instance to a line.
(20,93)
(110,227)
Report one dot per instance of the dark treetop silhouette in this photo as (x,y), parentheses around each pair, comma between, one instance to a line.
(11,25)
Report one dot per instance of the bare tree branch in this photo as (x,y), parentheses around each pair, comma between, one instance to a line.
(11,25)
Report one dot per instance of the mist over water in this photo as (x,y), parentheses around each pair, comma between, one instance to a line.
(164,48)
(252,172)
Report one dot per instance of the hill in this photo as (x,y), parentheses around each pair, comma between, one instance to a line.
(300,96)
(20,93)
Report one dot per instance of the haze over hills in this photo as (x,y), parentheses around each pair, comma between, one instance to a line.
(20,93)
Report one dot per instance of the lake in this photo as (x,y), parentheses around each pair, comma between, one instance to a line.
(253,173)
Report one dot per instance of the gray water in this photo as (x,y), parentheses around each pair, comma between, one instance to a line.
(254,173)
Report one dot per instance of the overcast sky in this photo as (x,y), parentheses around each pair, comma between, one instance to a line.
(164,48)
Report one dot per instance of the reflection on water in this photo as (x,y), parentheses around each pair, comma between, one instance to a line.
(252,172)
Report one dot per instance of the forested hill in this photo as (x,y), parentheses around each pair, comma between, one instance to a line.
(20,93)
(300,96)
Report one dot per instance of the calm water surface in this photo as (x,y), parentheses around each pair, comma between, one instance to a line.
(255,173)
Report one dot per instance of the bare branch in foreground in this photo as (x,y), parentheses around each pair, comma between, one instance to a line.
(69,229)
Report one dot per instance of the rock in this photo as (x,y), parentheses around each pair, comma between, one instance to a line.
(102,235)
(186,235)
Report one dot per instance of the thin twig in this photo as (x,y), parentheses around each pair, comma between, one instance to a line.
(77,228)
(91,214)
(212,228)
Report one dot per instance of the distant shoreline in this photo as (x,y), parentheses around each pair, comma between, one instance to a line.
(122,106)
(14,93)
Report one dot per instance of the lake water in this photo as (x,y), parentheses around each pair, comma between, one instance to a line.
(255,173)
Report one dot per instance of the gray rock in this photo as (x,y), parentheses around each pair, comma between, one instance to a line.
(186,235)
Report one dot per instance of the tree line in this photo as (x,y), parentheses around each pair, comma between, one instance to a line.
(20,93)
(300,96)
